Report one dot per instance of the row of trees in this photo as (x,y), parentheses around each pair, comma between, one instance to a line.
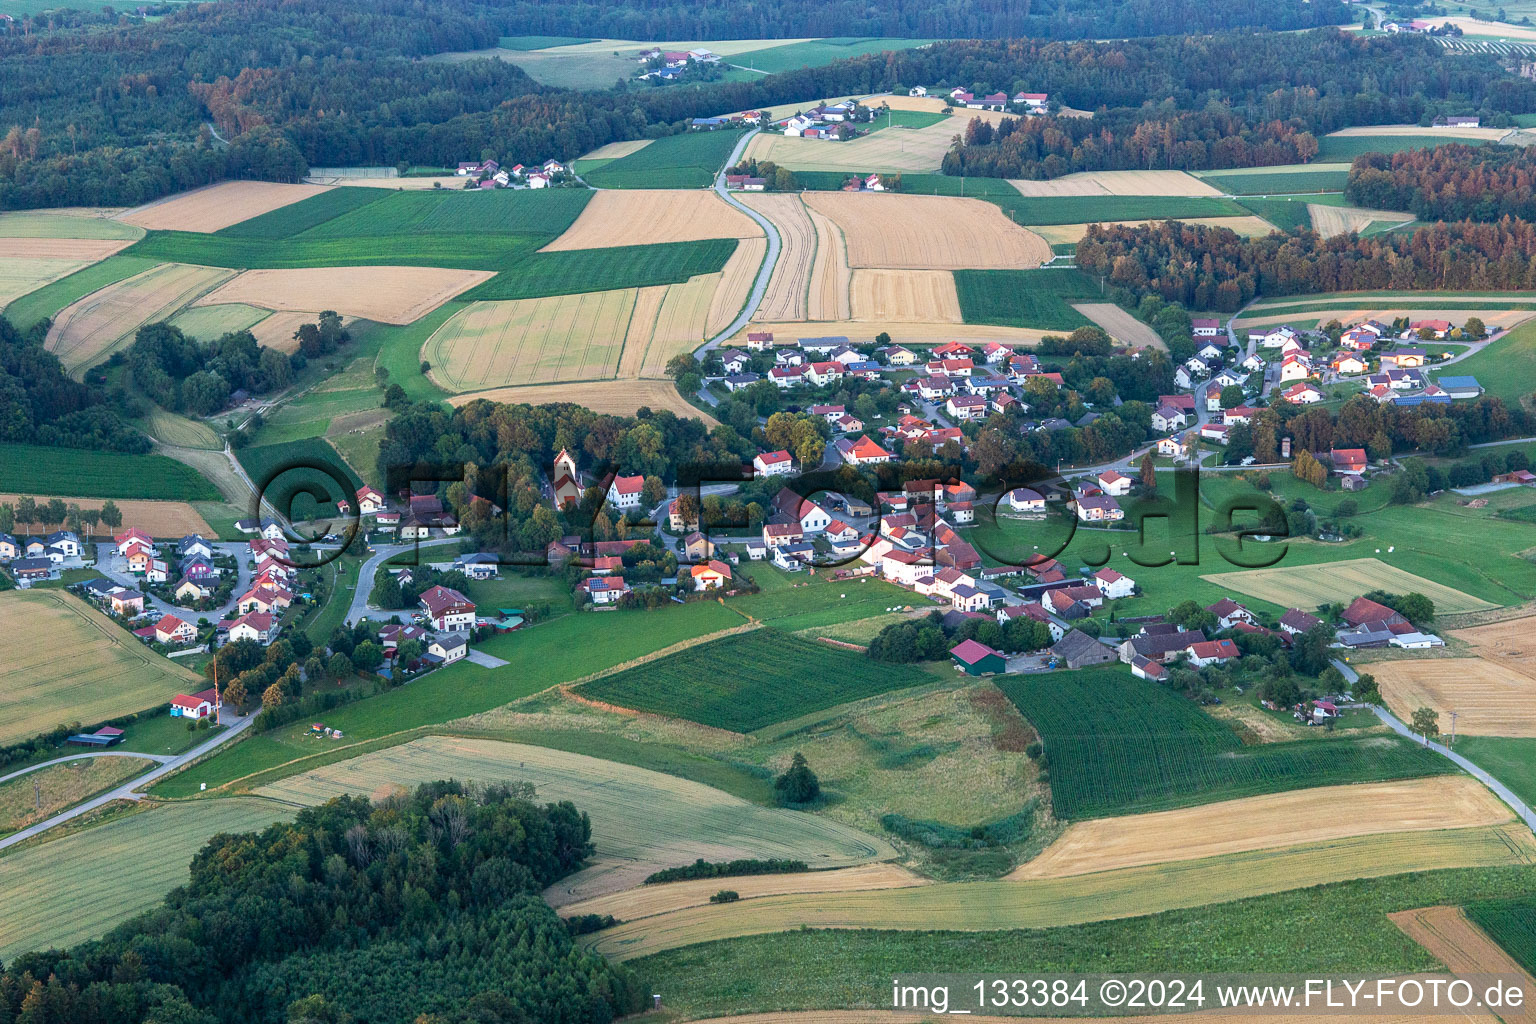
(33,515)
(1203,267)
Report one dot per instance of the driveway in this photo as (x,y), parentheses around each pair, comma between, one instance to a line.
(485,660)
(383,553)
(128,790)
(162,758)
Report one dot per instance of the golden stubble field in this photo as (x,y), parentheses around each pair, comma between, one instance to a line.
(1117,183)
(394,295)
(157,518)
(1489,699)
(616,397)
(1261,822)
(529,341)
(1305,586)
(1341,220)
(91,329)
(786,295)
(217,206)
(828,295)
(909,296)
(653,216)
(928,232)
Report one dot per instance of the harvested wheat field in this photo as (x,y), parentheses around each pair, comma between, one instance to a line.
(1489,699)
(530,341)
(91,329)
(1508,643)
(928,232)
(911,296)
(278,329)
(392,295)
(735,284)
(677,327)
(84,250)
(1069,234)
(20,276)
(1501,318)
(157,518)
(663,898)
(217,206)
(887,151)
(862,332)
(1341,220)
(642,820)
(1117,183)
(1100,896)
(1376,130)
(827,297)
(1464,948)
(615,397)
(1263,822)
(652,216)
(785,297)
(614,150)
(1303,586)
(1121,325)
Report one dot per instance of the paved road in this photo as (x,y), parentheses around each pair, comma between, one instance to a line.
(162,758)
(111,565)
(382,554)
(128,790)
(1396,725)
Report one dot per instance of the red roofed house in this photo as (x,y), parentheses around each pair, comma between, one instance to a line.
(861,452)
(1114,484)
(1229,613)
(369,501)
(1113,584)
(171,630)
(256,626)
(777,463)
(1365,610)
(129,537)
(713,575)
(447,609)
(624,492)
(1348,460)
(191,705)
(1210,652)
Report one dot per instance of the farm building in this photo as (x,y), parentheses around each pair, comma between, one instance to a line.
(977,659)
(1077,649)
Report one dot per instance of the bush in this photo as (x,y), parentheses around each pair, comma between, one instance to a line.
(799,784)
(585,924)
(702,868)
(937,835)
(725,896)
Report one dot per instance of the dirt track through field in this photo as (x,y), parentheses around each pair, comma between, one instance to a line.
(217,206)
(828,297)
(1341,220)
(1117,183)
(616,397)
(735,284)
(911,296)
(663,898)
(1121,325)
(652,216)
(157,518)
(1490,699)
(92,328)
(531,341)
(1261,822)
(1464,948)
(393,295)
(785,297)
(928,232)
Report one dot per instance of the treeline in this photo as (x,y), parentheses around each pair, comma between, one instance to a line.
(186,375)
(1450,182)
(1204,267)
(423,906)
(41,404)
(1193,102)
(987,19)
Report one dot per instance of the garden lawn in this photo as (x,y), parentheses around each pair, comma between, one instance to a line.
(751,680)
(80,473)
(1115,744)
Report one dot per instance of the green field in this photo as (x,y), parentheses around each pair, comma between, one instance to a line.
(1289,214)
(1277,182)
(791,602)
(1094,209)
(76,473)
(1338,928)
(1118,744)
(1511,761)
(399,349)
(561,650)
(1505,368)
(1337,149)
(1040,299)
(689,160)
(209,322)
(78,887)
(452,212)
(107,673)
(539,42)
(1510,923)
(45,302)
(818,52)
(286,221)
(293,476)
(621,266)
(750,680)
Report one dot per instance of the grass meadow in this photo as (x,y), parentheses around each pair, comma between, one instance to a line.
(30,469)
(1278,182)
(1506,368)
(819,52)
(293,475)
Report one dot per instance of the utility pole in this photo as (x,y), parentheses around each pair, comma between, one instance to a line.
(1453,728)
(37,793)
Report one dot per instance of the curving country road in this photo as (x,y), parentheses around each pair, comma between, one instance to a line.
(128,790)
(1396,724)
(161,758)
(382,554)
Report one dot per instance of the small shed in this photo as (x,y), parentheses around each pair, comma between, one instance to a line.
(977,659)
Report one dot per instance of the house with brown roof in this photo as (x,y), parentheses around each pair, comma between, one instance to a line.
(447,609)
(1348,460)
(1362,610)
(1295,621)
(1229,613)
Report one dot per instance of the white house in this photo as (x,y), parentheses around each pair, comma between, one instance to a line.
(1116,485)
(1113,584)
(1023,499)
(779,463)
(448,648)
(447,609)
(624,492)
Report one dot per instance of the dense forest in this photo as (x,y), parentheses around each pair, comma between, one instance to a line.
(41,404)
(1452,182)
(119,111)
(986,19)
(1197,102)
(1205,267)
(423,906)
